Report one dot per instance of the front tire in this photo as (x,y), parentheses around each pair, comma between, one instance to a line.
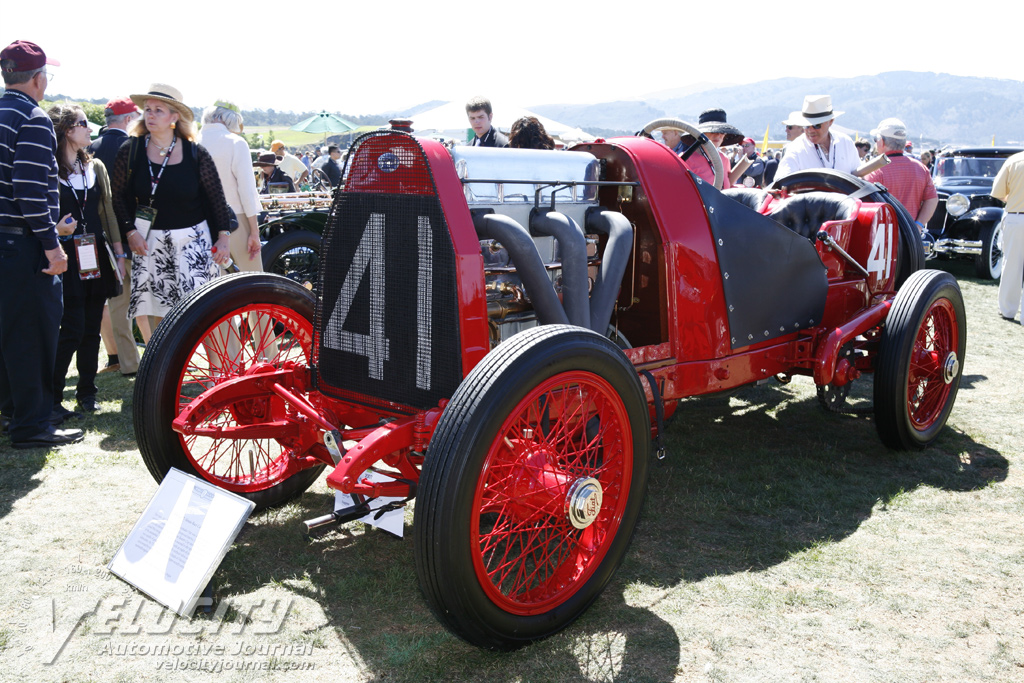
(532,487)
(988,264)
(234,325)
(920,360)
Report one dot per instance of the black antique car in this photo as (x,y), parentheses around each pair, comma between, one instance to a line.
(291,226)
(968,220)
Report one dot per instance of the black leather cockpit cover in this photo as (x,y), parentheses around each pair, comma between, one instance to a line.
(773,279)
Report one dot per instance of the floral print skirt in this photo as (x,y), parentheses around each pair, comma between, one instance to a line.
(178,262)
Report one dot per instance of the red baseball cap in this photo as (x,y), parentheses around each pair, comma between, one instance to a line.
(121,105)
(26,56)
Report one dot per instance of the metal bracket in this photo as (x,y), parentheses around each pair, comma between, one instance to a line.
(332,439)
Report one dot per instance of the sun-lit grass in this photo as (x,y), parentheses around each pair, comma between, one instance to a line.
(778,543)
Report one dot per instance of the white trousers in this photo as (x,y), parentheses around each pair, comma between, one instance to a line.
(1010,283)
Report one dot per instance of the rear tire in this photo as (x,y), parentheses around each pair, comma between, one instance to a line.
(532,487)
(920,360)
(244,318)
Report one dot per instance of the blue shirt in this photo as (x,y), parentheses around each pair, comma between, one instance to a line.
(29,197)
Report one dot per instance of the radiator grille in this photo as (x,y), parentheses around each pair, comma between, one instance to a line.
(387,323)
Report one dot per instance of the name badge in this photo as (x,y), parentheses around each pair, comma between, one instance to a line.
(145,216)
(88,257)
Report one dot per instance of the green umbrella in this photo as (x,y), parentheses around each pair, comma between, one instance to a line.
(325,123)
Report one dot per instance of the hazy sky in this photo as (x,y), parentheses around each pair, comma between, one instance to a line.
(361,57)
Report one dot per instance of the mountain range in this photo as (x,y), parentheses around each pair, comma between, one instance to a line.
(938,109)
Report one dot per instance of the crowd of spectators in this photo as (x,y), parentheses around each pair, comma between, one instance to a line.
(127,225)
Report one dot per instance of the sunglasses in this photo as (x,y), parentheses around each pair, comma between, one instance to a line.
(83,124)
(792,127)
(816,126)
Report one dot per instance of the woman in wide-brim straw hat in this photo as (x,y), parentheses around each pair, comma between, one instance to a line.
(169,203)
(713,124)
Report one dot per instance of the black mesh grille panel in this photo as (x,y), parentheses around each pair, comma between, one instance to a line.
(387,324)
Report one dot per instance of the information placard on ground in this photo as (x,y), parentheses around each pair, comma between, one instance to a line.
(180,540)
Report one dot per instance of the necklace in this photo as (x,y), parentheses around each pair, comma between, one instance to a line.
(164,151)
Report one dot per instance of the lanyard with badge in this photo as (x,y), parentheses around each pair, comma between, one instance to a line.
(85,244)
(825,159)
(146,215)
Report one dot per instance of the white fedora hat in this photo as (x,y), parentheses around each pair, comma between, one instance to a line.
(818,109)
(794,119)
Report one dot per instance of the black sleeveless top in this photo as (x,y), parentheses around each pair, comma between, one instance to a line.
(178,201)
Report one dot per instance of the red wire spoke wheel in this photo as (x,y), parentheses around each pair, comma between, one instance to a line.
(239,325)
(920,360)
(532,486)
(551,493)
(932,360)
(252,339)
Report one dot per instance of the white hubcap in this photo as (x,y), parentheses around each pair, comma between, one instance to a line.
(950,368)
(583,504)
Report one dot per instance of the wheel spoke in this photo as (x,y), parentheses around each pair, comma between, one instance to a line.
(251,336)
(927,389)
(569,429)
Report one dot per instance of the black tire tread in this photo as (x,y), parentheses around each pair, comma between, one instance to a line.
(441,471)
(898,335)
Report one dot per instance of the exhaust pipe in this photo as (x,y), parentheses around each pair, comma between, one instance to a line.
(529,267)
(613,266)
(573,248)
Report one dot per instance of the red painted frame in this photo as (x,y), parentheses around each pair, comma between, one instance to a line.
(683,364)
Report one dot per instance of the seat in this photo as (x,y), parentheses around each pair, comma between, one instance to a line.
(805,213)
(750,197)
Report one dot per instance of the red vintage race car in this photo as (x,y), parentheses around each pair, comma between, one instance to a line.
(500,334)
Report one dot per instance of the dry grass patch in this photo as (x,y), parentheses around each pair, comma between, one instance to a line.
(778,543)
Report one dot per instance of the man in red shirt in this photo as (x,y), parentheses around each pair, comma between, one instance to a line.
(907,179)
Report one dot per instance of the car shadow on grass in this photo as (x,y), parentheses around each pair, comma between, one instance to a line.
(754,478)
(750,479)
(365,582)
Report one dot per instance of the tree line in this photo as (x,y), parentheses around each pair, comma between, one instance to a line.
(93,109)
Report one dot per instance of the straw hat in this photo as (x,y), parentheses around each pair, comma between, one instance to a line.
(817,109)
(165,93)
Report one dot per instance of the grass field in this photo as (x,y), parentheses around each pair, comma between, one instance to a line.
(778,543)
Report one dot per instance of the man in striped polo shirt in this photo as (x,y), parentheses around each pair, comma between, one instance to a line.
(31,260)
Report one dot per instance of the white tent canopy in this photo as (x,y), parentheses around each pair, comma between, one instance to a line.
(450,120)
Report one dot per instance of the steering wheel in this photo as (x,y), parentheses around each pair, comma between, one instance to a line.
(319,181)
(701,141)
